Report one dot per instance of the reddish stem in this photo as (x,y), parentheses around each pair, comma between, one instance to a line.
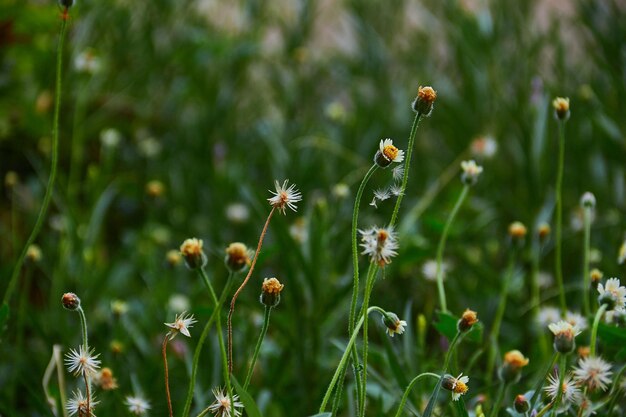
(167,380)
(87,393)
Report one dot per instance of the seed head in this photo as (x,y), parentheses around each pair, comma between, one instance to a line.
(182,323)
(82,361)
(70,301)
(285,196)
(137,405)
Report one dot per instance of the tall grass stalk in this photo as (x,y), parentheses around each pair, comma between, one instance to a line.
(442,244)
(371,277)
(594,330)
(45,204)
(257,348)
(558,267)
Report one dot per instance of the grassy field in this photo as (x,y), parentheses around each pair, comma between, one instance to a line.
(128,127)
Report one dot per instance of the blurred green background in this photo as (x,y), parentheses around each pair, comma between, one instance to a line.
(216,99)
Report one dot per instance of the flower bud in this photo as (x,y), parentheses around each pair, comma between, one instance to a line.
(561,108)
(512,366)
(237,257)
(270,295)
(521,404)
(192,253)
(393,323)
(543,231)
(564,334)
(173,257)
(33,254)
(70,301)
(424,102)
(517,230)
(468,319)
(588,200)
(596,276)
(155,189)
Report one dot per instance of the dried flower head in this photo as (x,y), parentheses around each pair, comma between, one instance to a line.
(137,405)
(570,393)
(237,257)
(82,361)
(517,231)
(78,405)
(564,334)
(270,292)
(70,301)
(471,171)
(425,100)
(612,294)
(593,372)
(387,153)
(561,108)
(105,379)
(285,196)
(182,323)
(588,200)
(468,319)
(222,406)
(192,253)
(380,244)
(457,385)
(393,323)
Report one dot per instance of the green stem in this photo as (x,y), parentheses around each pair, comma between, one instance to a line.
(442,245)
(499,397)
(559,219)
(408,389)
(83,327)
(559,394)
(497,322)
(541,381)
(371,277)
(407,165)
(615,391)
(198,351)
(255,355)
(45,204)
(545,409)
(586,277)
(344,358)
(455,340)
(594,330)
(220,338)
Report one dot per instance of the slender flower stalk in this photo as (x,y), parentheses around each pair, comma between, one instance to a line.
(496,405)
(167,375)
(559,219)
(371,277)
(455,341)
(588,202)
(243,284)
(441,247)
(594,330)
(45,204)
(542,378)
(409,388)
(257,348)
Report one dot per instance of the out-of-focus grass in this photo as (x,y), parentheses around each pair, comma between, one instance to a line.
(217,99)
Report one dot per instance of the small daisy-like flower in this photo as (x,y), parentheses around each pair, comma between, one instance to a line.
(561,108)
(87,62)
(425,100)
(612,294)
(82,361)
(380,244)
(570,391)
(192,253)
(222,407)
(564,334)
(471,171)
(181,324)
(393,323)
(78,405)
(548,315)
(285,196)
(484,147)
(397,172)
(596,276)
(387,153)
(576,320)
(137,405)
(457,385)
(593,372)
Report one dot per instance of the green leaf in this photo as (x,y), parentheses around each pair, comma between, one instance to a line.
(252,410)
(446,325)
(460,407)
(433,398)
(322,415)
(612,335)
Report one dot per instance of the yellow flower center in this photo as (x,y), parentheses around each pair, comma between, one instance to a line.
(390,152)
(460,387)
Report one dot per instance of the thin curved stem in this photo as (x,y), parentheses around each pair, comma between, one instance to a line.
(408,389)
(559,220)
(198,351)
(371,277)
(45,204)
(540,382)
(586,250)
(243,284)
(257,348)
(455,340)
(442,245)
(83,327)
(407,165)
(594,330)
(167,376)
(499,397)
(344,358)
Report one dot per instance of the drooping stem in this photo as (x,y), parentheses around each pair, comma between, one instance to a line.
(83,327)
(45,204)
(407,165)
(243,284)
(409,388)
(453,344)
(559,220)
(586,249)
(257,348)
(371,277)
(594,330)
(344,358)
(442,245)
(198,351)
(167,377)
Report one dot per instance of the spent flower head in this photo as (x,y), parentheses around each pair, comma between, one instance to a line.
(82,361)
(380,244)
(594,373)
(564,334)
(137,405)
(237,257)
(285,196)
(192,253)
(471,171)
(570,393)
(270,292)
(393,323)
(78,405)
(612,294)
(222,405)
(457,385)
(182,323)
(425,101)
(468,319)
(387,153)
